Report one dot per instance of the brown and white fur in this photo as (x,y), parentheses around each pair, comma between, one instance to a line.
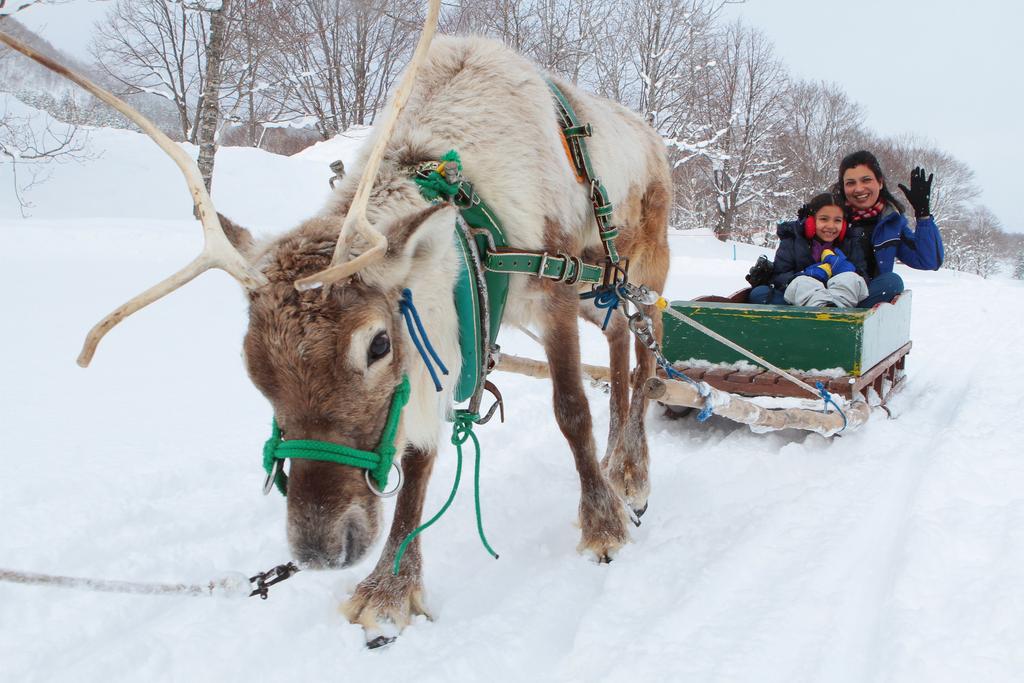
(308,351)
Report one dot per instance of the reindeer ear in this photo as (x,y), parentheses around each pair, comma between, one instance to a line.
(240,238)
(418,231)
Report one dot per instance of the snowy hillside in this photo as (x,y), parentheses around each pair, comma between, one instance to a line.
(895,553)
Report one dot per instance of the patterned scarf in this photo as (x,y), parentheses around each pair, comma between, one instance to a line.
(864,214)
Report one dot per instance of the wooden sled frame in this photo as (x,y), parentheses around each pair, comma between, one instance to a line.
(728,391)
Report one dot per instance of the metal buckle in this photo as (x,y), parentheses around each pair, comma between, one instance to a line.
(543,264)
(568,262)
(466,197)
(579,270)
(275,469)
(386,494)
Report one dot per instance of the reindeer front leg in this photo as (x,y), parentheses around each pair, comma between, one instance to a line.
(383,604)
(603,517)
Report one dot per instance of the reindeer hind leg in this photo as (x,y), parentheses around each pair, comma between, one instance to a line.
(627,463)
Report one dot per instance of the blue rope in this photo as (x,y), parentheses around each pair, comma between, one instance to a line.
(414,325)
(604,298)
(708,410)
(827,397)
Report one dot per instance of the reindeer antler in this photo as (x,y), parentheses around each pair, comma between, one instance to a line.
(356,222)
(217,250)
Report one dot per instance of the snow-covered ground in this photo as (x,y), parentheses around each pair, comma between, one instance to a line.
(895,553)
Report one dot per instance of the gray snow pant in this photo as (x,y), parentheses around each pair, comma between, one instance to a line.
(843,290)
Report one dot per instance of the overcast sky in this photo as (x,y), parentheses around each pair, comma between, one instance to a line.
(948,70)
(951,71)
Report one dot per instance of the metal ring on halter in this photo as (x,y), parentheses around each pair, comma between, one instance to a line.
(386,494)
(275,469)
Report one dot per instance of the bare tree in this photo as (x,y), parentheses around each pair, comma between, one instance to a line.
(985,230)
(515,22)
(953,190)
(822,125)
(209,102)
(157,47)
(334,62)
(30,146)
(741,101)
(245,94)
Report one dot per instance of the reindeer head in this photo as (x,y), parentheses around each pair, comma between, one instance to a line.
(329,361)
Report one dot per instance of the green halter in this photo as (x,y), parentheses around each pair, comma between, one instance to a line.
(377,463)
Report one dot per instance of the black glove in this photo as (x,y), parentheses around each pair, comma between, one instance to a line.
(920,192)
(761,272)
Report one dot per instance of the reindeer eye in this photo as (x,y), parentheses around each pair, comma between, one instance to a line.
(379,347)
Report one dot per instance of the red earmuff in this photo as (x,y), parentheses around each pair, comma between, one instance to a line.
(811,228)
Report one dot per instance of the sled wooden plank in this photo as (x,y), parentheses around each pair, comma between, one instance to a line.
(767,379)
(743,376)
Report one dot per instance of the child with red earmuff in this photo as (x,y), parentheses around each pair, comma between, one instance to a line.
(815,265)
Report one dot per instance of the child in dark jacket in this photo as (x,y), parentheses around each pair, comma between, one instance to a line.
(815,265)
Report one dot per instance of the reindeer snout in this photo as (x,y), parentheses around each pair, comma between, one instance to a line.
(320,540)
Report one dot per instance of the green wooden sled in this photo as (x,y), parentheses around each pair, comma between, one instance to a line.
(849,349)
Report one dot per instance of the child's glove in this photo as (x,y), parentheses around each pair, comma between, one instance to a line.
(819,271)
(838,262)
(822,271)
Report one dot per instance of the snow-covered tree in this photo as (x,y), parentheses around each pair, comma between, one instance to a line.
(332,63)
(740,103)
(821,125)
(156,47)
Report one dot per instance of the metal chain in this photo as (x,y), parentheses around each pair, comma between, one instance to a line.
(640,324)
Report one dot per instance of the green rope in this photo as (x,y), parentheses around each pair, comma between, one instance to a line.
(378,462)
(462,431)
(435,185)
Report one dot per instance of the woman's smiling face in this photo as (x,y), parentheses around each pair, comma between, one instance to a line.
(861,187)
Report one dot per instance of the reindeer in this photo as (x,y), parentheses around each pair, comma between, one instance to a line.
(325,343)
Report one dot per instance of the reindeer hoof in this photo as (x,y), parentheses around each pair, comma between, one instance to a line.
(384,605)
(380,641)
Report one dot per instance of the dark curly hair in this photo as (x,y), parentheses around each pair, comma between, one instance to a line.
(865,158)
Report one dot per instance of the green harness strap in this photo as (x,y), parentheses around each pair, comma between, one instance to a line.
(439,181)
(377,462)
(559,267)
(574,133)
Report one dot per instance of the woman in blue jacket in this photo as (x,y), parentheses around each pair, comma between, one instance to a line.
(877,222)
